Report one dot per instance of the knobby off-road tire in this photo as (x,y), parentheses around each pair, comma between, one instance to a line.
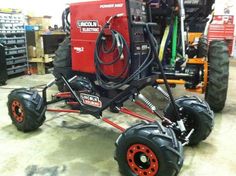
(216,91)
(196,115)
(26,109)
(62,62)
(202,47)
(149,149)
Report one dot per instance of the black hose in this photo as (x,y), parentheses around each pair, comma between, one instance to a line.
(153,45)
(114,82)
(65,20)
(100,44)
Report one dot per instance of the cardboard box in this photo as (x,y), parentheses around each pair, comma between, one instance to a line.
(44,22)
(32,52)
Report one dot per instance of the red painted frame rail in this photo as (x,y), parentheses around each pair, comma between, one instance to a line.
(106,120)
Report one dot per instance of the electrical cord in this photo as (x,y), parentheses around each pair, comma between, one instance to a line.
(119,44)
(65,20)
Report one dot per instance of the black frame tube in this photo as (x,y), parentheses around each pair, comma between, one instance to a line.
(153,45)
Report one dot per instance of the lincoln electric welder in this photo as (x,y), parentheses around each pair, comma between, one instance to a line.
(115,32)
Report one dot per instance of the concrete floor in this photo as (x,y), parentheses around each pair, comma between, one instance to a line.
(73,145)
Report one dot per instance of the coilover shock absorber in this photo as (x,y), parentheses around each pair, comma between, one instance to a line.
(153,108)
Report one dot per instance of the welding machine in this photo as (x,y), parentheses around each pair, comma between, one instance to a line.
(114,31)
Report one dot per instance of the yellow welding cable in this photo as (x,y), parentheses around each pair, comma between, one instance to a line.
(163,43)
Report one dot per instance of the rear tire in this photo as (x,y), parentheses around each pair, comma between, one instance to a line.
(196,115)
(149,149)
(216,91)
(62,63)
(202,47)
(26,109)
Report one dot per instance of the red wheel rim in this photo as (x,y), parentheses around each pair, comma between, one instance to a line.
(17,111)
(142,160)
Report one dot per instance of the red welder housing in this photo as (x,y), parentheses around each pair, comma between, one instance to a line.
(87,19)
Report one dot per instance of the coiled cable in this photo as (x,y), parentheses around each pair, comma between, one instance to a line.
(65,20)
(119,44)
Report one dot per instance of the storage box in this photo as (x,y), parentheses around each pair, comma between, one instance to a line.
(32,28)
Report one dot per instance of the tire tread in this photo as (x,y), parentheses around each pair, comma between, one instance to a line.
(166,140)
(33,107)
(216,92)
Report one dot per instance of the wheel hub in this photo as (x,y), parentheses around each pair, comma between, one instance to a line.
(142,160)
(17,111)
(188,122)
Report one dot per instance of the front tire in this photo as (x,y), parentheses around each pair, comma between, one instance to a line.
(26,109)
(216,91)
(149,149)
(196,114)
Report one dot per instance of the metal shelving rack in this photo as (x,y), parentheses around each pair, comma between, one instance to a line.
(13,37)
